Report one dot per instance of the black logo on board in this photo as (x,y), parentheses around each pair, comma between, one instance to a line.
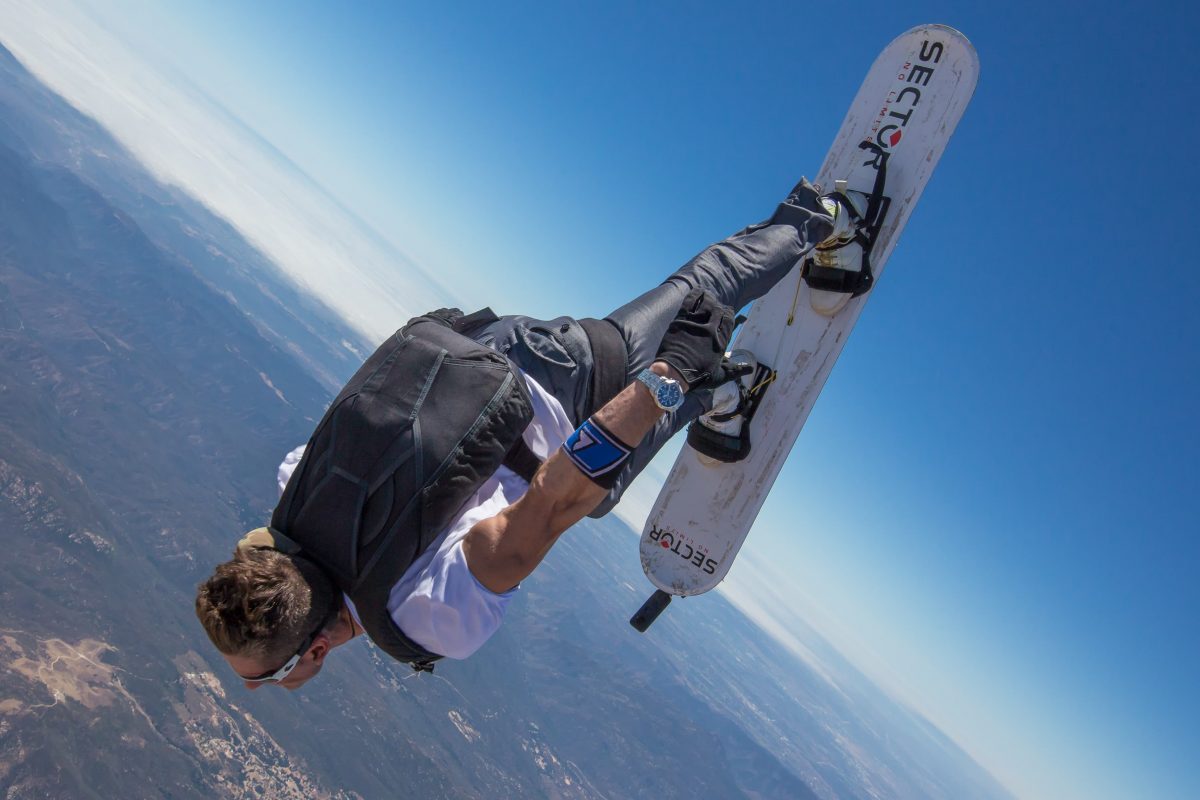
(888,129)
(677,544)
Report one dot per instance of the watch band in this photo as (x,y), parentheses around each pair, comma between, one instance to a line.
(655,382)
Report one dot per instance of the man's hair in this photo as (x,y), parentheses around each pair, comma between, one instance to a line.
(263,603)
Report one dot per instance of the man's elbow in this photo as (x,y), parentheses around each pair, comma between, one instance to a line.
(501,556)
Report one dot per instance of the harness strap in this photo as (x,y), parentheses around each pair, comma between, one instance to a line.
(521,460)
(609,361)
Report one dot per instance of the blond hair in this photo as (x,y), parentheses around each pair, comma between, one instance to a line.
(263,603)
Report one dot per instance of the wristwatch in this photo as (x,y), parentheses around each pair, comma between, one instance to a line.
(667,394)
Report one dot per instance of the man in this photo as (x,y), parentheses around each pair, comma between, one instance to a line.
(595,400)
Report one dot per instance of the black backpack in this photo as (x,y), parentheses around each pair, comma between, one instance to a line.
(423,423)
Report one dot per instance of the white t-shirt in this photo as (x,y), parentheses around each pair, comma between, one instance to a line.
(438,603)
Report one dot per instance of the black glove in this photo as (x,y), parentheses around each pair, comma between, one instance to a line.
(696,339)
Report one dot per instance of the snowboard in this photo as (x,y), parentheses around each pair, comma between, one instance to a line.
(889,143)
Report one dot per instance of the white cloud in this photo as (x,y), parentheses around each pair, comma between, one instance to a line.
(188,140)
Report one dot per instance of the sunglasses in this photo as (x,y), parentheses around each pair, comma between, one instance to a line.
(275,676)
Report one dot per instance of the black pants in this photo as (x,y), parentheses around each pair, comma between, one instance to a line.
(556,353)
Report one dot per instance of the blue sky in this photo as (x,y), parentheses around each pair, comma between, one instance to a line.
(1010,543)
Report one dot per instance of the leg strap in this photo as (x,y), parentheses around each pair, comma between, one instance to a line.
(609,361)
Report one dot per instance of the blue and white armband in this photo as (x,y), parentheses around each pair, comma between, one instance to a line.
(597,452)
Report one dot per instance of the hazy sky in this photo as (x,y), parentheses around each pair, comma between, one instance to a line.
(993,507)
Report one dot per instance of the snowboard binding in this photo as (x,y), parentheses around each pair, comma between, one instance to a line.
(842,263)
(722,436)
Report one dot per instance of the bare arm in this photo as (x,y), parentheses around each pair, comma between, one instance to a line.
(503,550)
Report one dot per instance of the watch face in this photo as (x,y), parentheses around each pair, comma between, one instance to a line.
(670,395)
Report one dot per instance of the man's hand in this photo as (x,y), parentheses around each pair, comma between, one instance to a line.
(696,339)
